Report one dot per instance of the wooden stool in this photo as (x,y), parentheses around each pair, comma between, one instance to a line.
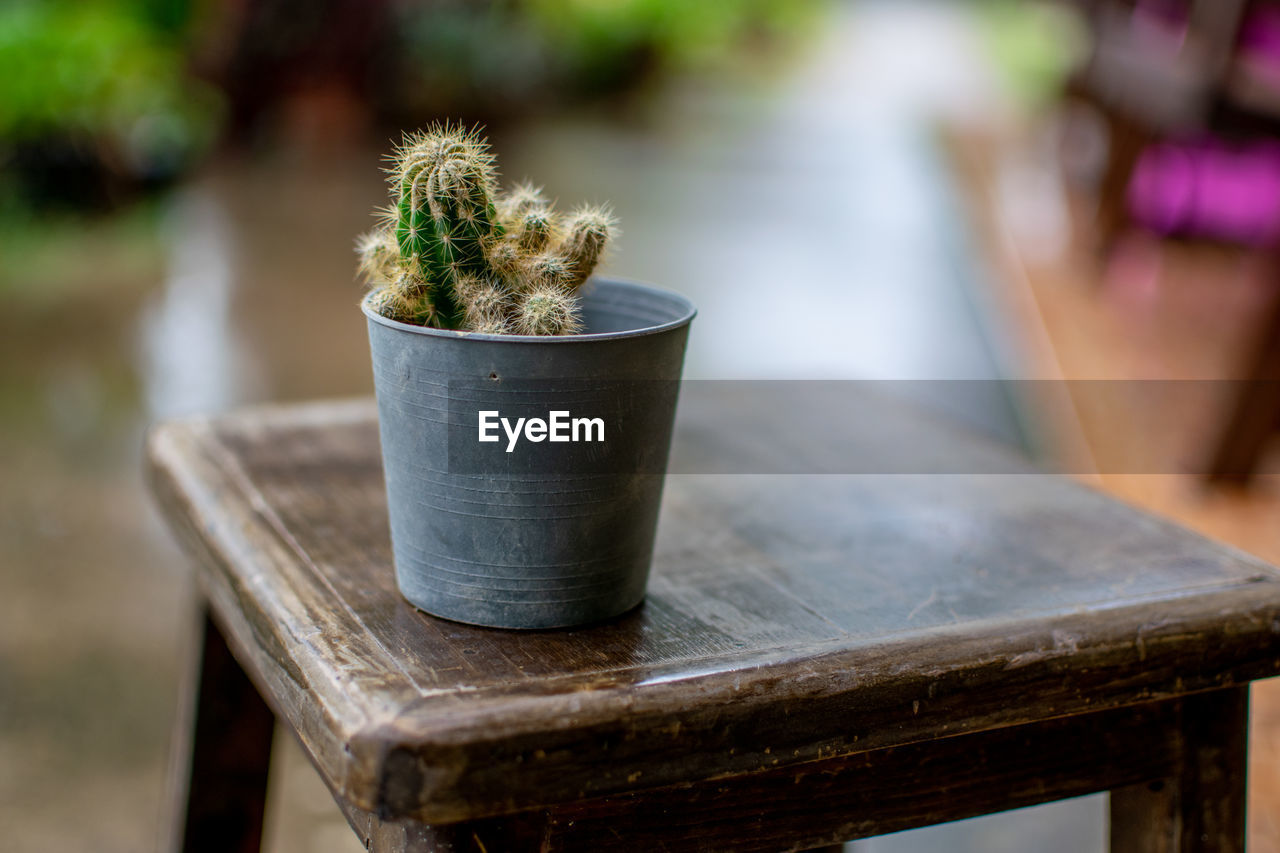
(820,658)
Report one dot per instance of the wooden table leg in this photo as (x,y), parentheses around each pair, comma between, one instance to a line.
(1202,808)
(1255,414)
(221,805)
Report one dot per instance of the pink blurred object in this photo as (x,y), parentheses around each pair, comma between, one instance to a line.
(1260,35)
(1159,24)
(1209,189)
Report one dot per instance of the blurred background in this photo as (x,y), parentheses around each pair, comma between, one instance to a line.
(983,190)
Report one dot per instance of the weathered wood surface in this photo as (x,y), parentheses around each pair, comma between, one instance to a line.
(790,619)
(818,803)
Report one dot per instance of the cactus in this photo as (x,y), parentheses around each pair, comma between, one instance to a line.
(547,309)
(588,230)
(453,253)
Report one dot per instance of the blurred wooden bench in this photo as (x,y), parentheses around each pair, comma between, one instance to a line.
(1200,85)
(820,658)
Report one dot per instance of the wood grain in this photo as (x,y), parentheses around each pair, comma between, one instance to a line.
(1153,754)
(868,794)
(791,619)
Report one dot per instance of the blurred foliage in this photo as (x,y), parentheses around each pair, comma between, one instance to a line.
(95,102)
(591,34)
(116,259)
(1035,44)
(503,58)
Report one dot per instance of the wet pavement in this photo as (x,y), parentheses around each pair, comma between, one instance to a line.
(807,213)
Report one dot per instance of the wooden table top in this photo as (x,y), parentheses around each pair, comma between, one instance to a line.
(790,618)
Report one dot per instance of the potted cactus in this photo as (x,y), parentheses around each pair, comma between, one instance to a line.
(491,345)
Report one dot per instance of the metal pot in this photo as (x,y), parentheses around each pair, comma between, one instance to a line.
(530,528)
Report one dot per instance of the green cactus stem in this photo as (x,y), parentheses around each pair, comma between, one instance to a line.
(453,253)
(444,212)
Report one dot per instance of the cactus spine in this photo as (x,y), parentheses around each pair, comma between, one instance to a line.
(453,253)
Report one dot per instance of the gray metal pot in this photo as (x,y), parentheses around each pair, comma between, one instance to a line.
(533,533)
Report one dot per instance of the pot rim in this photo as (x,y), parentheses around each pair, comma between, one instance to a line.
(688,312)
